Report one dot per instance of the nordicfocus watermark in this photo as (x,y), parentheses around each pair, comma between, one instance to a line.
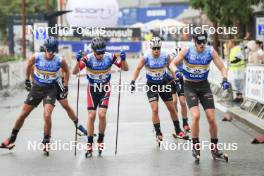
(58,145)
(126,88)
(70,30)
(190,29)
(204,145)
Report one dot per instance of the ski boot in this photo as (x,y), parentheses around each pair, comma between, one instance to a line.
(180,135)
(196,152)
(7,144)
(81,131)
(89,152)
(186,128)
(159,138)
(217,154)
(101,146)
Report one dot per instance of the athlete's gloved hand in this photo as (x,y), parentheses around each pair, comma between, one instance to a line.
(79,55)
(123,55)
(132,86)
(178,75)
(27,85)
(225,84)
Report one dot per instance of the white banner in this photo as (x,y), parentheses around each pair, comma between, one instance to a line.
(99,13)
(255,83)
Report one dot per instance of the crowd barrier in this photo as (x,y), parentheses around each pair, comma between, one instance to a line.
(11,74)
(254,88)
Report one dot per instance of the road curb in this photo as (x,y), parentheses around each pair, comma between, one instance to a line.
(245,117)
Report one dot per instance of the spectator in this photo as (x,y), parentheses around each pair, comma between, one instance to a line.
(236,71)
(256,54)
(260,51)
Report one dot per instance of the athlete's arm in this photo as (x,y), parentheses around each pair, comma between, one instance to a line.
(178,59)
(78,67)
(138,68)
(29,66)
(219,63)
(65,69)
(168,65)
(120,64)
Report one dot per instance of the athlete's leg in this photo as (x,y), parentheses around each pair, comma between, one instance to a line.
(155,112)
(65,104)
(102,120)
(48,108)
(90,122)
(195,113)
(26,110)
(210,114)
(183,107)
(102,124)
(175,101)
(173,113)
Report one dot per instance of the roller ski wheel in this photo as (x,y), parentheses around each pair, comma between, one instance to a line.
(89,152)
(218,155)
(7,144)
(186,128)
(196,153)
(101,147)
(46,149)
(159,139)
(180,135)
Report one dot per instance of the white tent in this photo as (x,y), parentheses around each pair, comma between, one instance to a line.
(189,13)
(171,23)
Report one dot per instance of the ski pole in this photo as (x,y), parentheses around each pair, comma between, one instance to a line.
(118,105)
(77,109)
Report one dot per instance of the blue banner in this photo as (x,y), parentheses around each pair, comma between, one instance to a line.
(134,15)
(130,47)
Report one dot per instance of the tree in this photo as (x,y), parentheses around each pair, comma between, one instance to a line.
(11,7)
(226,12)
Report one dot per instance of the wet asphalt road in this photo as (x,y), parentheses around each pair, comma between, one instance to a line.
(138,153)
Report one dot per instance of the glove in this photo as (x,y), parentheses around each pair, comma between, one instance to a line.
(123,55)
(27,85)
(65,91)
(79,55)
(179,75)
(225,84)
(132,86)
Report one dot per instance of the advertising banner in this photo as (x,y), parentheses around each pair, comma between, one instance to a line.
(255,83)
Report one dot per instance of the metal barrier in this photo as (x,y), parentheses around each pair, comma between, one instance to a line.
(254,89)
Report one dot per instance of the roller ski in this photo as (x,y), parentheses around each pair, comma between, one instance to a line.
(101,147)
(89,152)
(7,144)
(159,138)
(180,135)
(196,153)
(217,154)
(46,148)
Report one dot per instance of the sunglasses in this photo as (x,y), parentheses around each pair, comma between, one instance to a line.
(156,48)
(199,42)
(51,50)
(100,52)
